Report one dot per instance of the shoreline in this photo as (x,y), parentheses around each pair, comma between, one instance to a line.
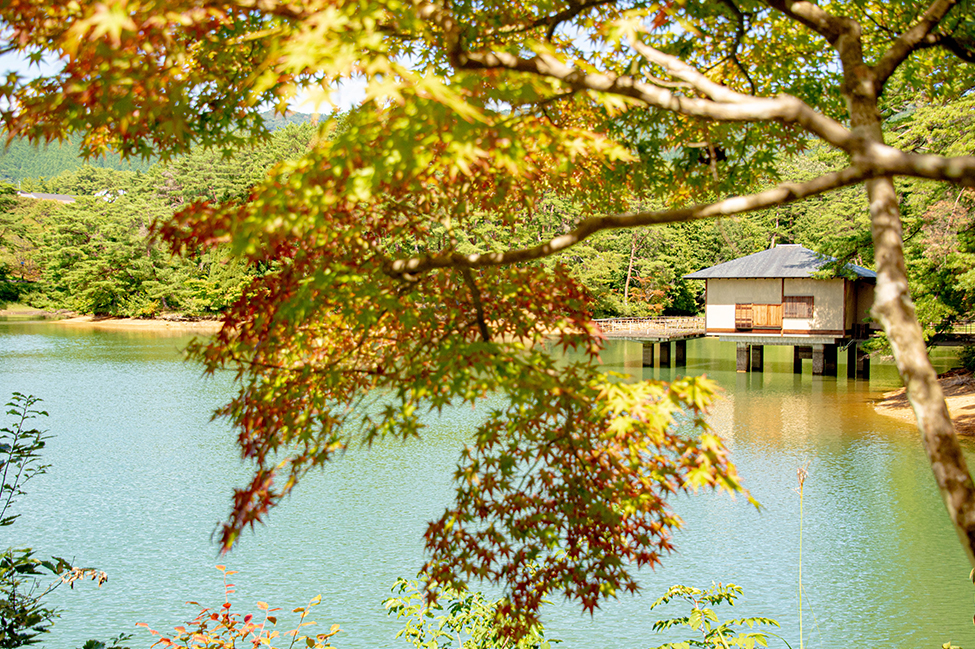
(958,385)
(959,389)
(111,322)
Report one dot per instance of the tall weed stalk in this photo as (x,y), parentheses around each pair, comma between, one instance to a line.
(801,474)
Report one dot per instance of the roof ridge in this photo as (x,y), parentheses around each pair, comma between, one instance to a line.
(782,261)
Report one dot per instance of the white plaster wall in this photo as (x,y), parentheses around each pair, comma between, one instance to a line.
(797,324)
(850,306)
(740,291)
(864,291)
(719,316)
(723,294)
(828,301)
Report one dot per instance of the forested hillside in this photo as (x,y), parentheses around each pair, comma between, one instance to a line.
(638,272)
(97,255)
(22,162)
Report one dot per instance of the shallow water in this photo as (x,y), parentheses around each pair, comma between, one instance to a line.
(140,477)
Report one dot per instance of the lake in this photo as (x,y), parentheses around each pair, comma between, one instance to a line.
(140,477)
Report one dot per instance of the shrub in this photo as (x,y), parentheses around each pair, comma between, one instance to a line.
(23,615)
(967,357)
(462,616)
(224,629)
(709,631)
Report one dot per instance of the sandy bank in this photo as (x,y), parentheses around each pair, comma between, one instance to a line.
(153,324)
(18,311)
(959,389)
(173,323)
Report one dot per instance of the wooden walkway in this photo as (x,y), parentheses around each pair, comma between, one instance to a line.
(653,329)
(961,335)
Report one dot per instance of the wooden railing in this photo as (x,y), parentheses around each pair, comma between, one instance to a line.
(964,327)
(671,325)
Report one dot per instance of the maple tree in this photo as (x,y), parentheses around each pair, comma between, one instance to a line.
(383,301)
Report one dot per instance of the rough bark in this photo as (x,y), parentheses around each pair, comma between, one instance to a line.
(892,302)
(895,311)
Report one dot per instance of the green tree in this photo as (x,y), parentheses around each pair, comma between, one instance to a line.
(488,110)
(87,180)
(22,161)
(10,227)
(941,248)
(97,256)
(938,221)
(20,247)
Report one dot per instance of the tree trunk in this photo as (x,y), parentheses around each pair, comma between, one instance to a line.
(629,270)
(893,306)
(894,309)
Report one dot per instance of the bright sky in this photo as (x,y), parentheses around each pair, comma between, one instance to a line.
(14,62)
(348,94)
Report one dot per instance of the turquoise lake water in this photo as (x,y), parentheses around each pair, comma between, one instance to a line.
(140,477)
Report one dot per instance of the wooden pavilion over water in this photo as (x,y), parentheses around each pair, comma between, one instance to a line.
(775,297)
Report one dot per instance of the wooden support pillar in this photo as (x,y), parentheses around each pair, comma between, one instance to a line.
(680,353)
(647,354)
(829,359)
(818,360)
(863,364)
(799,353)
(824,360)
(758,358)
(665,353)
(742,357)
(857,363)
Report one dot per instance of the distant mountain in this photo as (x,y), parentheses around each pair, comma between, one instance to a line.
(22,160)
(275,121)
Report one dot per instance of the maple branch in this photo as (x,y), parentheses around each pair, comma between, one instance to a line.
(872,161)
(739,22)
(877,24)
(551,21)
(734,107)
(883,160)
(739,36)
(690,75)
(844,34)
(410,268)
(568,13)
(540,104)
(681,85)
(478,306)
(830,27)
(911,40)
(948,42)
